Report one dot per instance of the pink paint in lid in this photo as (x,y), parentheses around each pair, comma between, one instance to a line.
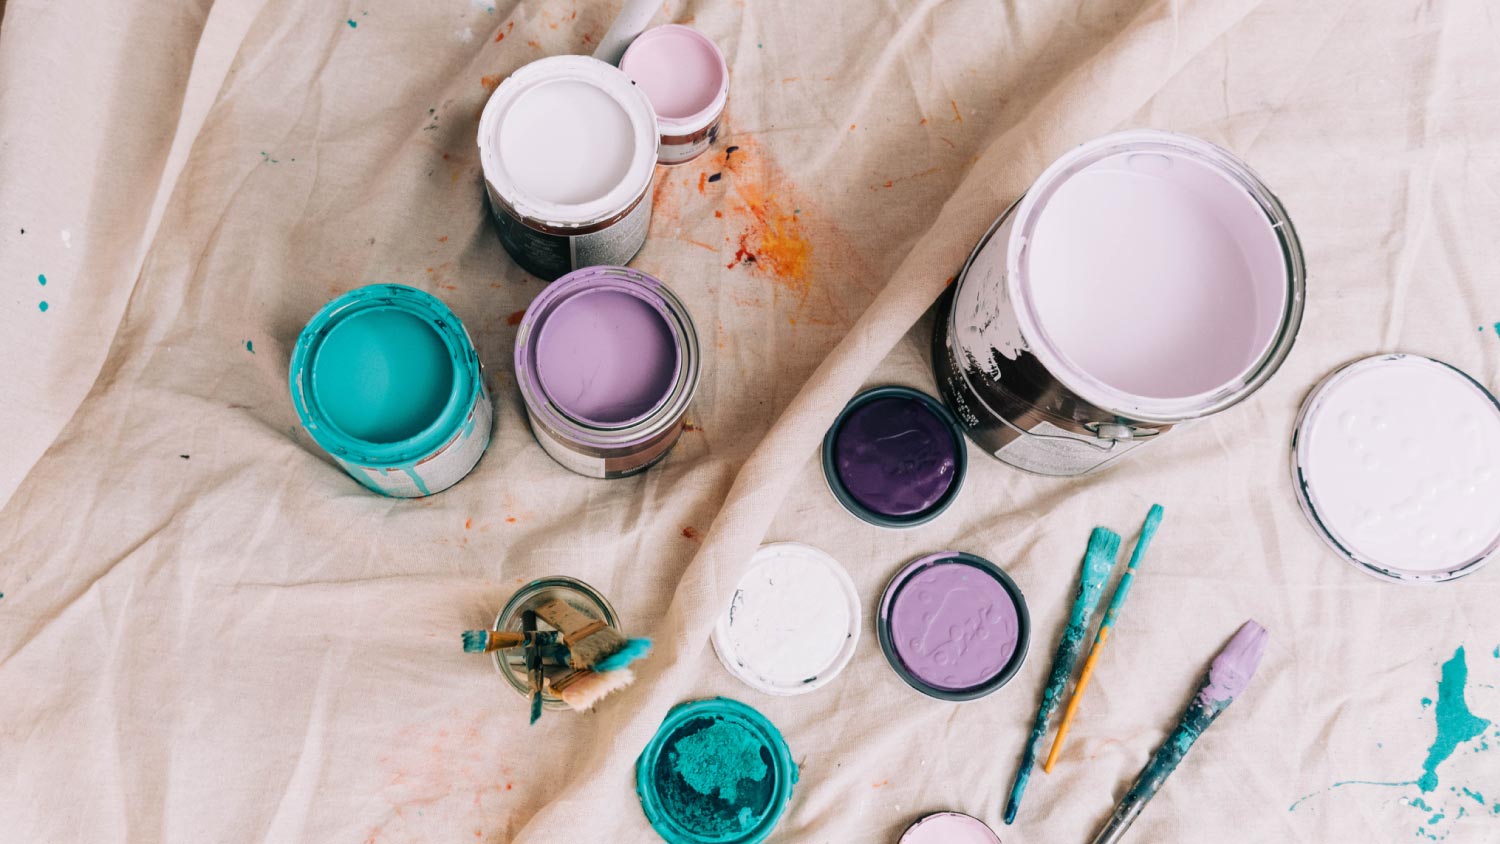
(683,73)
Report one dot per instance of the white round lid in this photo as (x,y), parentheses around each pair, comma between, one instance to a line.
(1396,459)
(793,622)
(568,140)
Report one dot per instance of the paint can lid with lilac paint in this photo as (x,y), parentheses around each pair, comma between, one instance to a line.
(954,626)
(1396,463)
(716,772)
(895,457)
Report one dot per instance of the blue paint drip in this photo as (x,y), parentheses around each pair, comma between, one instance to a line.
(250,346)
(411,472)
(1455,723)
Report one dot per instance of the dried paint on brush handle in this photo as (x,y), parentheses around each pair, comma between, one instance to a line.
(1057,680)
(1192,724)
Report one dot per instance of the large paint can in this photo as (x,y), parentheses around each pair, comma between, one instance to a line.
(1145,280)
(568,147)
(386,380)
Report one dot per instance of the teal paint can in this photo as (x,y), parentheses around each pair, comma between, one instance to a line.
(716,772)
(386,380)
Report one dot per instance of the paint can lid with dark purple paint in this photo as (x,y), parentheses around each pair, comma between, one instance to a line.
(954,626)
(895,457)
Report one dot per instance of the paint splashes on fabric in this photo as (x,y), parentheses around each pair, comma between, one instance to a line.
(352,23)
(515,318)
(1456,727)
(42,306)
(42,280)
(250,346)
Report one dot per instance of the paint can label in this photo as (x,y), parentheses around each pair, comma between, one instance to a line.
(551,256)
(595,466)
(440,470)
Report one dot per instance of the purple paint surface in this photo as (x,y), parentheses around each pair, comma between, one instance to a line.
(895,456)
(1234,666)
(954,625)
(606,358)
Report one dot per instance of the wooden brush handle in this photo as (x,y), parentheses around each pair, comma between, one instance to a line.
(575,626)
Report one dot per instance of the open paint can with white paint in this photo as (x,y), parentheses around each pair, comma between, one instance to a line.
(386,379)
(793,622)
(1396,462)
(684,74)
(1145,280)
(568,148)
(607,360)
(511,662)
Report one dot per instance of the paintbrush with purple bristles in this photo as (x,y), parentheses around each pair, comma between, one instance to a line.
(1227,678)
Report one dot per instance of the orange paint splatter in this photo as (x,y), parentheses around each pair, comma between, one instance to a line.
(515,318)
(702,180)
(429,269)
(511,519)
(500,36)
(490,83)
(956,116)
(690,428)
(888,183)
(534,45)
(788,79)
(587,38)
(699,244)
(443,239)
(468,523)
(690,533)
(922,122)
(719,214)
(851,127)
(879,784)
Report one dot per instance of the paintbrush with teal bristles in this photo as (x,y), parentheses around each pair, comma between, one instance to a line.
(1098,562)
(1148,530)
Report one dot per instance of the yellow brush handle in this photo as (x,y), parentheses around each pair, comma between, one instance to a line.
(1083,683)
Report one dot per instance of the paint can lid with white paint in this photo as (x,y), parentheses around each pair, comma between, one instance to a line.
(568,141)
(793,623)
(1396,461)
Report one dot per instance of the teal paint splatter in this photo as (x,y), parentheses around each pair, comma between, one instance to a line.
(42,306)
(1497,652)
(42,280)
(1497,329)
(1455,723)
(1426,702)
(250,346)
(1340,784)
(1419,803)
(1476,796)
(266,158)
(352,23)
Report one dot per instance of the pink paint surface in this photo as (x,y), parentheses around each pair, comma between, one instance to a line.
(606,358)
(949,828)
(954,626)
(679,68)
(1155,274)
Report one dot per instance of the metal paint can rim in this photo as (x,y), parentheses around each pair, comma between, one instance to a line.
(978,825)
(841,492)
(467,379)
(888,647)
(1027,210)
(1300,454)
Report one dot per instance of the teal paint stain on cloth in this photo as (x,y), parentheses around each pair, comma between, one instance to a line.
(1497,652)
(1426,702)
(250,346)
(42,306)
(1342,783)
(352,23)
(1455,723)
(41,279)
(1497,329)
(1474,795)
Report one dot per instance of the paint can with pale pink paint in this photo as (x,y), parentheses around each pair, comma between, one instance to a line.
(684,74)
(1145,280)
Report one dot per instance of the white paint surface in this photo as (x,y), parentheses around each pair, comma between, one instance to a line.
(1155,274)
(1401,457)
(567,142)
(794,617)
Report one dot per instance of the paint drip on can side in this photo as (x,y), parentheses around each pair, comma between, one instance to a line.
(386,379)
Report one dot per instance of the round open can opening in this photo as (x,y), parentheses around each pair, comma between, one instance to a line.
(1145,280)
(949,828)
(568,148)
(386,380)
(511,662)
(895,457)
(1396,464)
(684,73)
(607,360)
(954,626)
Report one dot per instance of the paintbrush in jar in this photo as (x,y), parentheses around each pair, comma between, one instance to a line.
(484,641)
(534,673)
(591,642)
(1098,562)
(580,690)
(1227,678)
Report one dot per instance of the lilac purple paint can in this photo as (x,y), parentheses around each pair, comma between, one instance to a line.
(607,360)
(895,457)
(954,626)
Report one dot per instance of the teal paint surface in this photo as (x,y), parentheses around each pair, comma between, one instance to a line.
(1455,723)
(42,306)
(250,346)
(42,280)
(1098,562)
(382,375)
(717,772)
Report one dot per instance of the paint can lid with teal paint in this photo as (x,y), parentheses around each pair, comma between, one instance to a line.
(716,772)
